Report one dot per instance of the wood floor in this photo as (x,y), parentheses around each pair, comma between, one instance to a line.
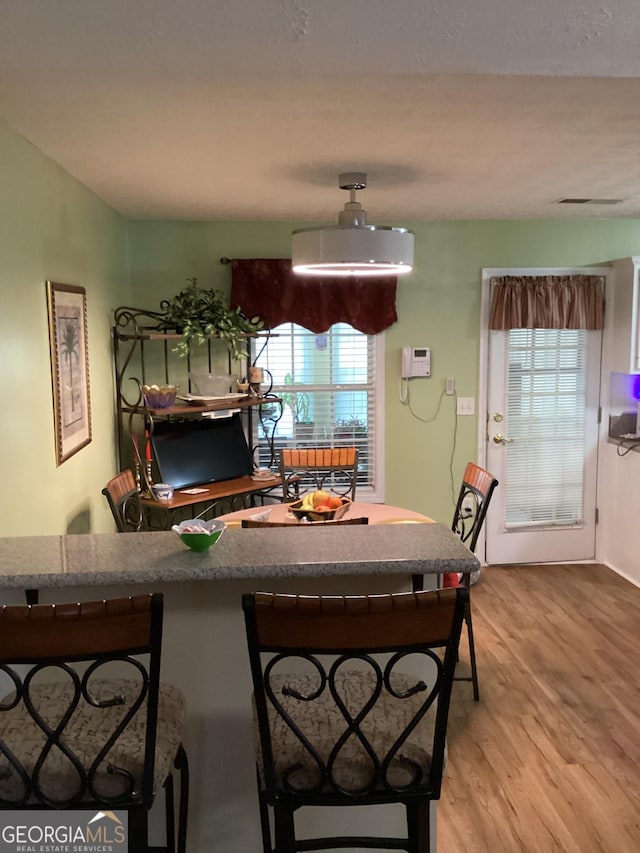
(549,759)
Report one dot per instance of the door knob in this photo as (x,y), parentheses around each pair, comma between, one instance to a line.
(501,439)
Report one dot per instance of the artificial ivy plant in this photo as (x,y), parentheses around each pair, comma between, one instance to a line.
(199,314)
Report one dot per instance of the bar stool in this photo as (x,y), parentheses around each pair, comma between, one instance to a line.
(351,698)
(475,494)
(85,722)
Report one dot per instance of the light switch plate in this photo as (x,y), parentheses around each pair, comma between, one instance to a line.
(466,406)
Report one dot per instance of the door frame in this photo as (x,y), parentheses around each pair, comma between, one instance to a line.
(488,273)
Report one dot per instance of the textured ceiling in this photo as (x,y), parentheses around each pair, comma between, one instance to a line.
(249,110)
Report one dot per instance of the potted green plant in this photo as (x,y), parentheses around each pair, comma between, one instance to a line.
(350,428)
(297,402)
(198,314)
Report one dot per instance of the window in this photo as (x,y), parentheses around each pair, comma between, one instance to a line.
(332,388)
(546,399)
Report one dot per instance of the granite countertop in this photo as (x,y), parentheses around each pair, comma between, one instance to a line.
(116,558)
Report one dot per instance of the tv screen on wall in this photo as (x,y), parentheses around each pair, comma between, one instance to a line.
(192,452)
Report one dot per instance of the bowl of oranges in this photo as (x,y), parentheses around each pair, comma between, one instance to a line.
(319,506)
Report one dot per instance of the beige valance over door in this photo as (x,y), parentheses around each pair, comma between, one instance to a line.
(547,302)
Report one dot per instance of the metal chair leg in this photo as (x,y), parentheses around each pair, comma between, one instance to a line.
(473,678)
(284,830)
(169,815)
(264,817)
(418,827)
(138,837)
(181,764)
(472,653)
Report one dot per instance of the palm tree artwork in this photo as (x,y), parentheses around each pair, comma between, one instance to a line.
(70,355)
(67,309)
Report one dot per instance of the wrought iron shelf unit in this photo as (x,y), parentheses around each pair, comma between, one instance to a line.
(143,355)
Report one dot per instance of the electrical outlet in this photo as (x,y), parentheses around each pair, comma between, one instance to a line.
(466,406)
(451,386)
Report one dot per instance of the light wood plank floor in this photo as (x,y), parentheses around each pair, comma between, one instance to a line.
(549,759)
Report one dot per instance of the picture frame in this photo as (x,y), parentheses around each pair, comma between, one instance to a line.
(68,342)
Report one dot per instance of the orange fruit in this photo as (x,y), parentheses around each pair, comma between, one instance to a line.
(334,502)
(323,508)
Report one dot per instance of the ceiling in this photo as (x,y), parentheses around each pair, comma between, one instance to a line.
(456,109)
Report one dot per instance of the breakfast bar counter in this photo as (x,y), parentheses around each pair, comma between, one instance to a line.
(204,645)
(147,558)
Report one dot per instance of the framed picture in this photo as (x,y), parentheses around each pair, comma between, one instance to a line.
(67,308)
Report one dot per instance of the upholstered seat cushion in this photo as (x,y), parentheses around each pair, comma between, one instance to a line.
(322,722)
(85,734)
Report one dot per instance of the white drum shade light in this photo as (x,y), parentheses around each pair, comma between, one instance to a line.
(352,247)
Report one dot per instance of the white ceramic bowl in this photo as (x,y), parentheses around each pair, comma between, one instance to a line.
(211,384)
(162,491)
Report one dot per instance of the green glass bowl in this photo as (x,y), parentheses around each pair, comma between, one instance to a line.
(208,533)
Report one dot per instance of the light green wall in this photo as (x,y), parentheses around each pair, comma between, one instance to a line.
(52,227)
(438,306)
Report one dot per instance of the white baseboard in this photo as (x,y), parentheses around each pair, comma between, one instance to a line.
(627,577)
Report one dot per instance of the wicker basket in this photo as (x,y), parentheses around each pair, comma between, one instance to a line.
(315,515)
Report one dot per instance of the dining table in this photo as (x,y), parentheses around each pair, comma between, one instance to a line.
(375,513)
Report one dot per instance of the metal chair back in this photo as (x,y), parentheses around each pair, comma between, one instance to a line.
(84,722)
(473,501)
(334,469)
(124,502)
(352,699)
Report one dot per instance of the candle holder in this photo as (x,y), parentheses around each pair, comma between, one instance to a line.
(147,477)
(256,377)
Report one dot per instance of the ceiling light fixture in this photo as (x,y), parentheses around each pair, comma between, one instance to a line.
(352,247)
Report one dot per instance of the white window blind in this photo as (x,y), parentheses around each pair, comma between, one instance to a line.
(327,383)
(546,399)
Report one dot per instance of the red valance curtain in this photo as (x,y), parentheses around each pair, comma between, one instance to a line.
(547,302)
(268,287)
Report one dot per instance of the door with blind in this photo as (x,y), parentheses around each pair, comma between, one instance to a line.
(542,433)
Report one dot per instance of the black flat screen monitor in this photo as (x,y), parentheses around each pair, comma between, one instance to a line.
(191,452)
